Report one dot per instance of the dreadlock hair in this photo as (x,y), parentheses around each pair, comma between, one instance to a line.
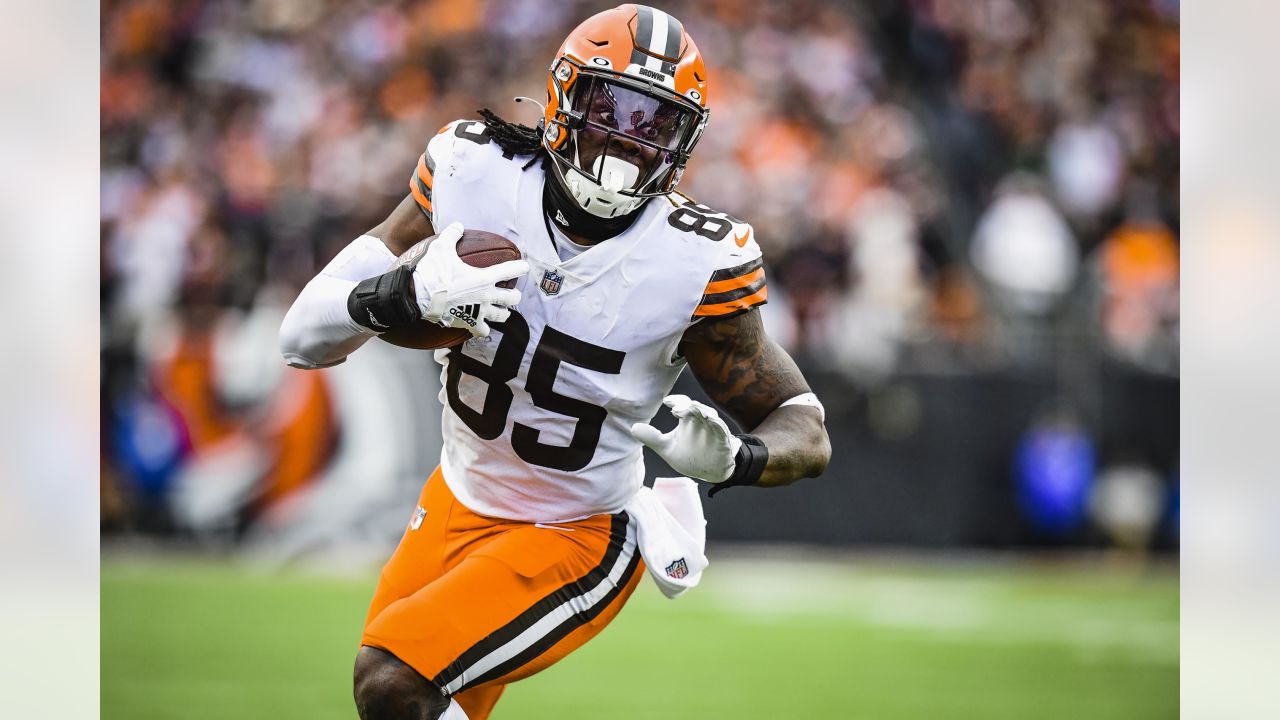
(514,138)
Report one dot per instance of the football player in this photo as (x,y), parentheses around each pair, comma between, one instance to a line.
(519,551)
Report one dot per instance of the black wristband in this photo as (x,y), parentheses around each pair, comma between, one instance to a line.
(385,301)
(748,464)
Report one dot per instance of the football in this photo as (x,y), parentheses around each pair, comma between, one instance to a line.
(477,248)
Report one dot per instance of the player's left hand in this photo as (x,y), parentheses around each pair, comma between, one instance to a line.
(701,446)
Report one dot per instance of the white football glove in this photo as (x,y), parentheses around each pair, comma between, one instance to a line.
(453,294)
(701,446)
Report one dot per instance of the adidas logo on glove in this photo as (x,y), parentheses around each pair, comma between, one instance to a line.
(466,314)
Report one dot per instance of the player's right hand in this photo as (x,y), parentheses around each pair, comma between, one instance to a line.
(454,294)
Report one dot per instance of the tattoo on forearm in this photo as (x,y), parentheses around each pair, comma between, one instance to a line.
(749,376)
(742,369)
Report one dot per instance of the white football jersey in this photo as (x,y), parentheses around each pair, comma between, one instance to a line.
(537,416)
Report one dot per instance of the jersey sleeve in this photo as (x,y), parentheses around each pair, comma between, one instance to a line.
(450,154)
(423,180)
(741,284)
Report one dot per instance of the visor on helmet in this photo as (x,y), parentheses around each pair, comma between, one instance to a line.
(619,123)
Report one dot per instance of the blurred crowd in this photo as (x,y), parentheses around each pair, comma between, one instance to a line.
(937,185)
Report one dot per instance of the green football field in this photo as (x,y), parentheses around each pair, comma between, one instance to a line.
(764,636)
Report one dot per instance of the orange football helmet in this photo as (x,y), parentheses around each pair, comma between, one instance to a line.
(626,104)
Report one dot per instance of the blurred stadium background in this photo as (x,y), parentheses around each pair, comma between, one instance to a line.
(969,211)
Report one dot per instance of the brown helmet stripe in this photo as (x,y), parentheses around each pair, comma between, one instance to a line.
(644,33)
(658,37)
(675,33)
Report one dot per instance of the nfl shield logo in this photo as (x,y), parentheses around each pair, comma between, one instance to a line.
(677,569)
(418,514)
(551,281)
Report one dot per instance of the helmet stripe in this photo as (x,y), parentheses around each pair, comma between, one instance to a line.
(658,41)
(658,36)
(644,33)
(675,32)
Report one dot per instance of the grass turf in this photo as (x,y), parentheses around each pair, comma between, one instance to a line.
(760,638)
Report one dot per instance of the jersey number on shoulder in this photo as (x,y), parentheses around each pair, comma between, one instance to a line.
(701,220)
(473,130)
(478,133)
(554,349)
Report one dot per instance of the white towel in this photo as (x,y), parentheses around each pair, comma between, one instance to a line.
(672,533)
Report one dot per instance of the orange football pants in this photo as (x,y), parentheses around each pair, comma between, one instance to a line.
(474,603)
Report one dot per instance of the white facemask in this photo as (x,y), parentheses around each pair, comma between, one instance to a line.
(605,200)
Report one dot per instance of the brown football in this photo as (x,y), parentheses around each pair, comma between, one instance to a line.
(477,248)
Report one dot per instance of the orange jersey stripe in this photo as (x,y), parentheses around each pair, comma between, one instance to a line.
(418,195)
(720,286)
(725,308)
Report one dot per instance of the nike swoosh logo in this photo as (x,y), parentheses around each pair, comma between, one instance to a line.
(743,238)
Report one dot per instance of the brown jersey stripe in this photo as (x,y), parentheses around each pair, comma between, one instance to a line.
(421,194)
(720,286)
(424,171)
(742,304)
(730,295)
(733,272)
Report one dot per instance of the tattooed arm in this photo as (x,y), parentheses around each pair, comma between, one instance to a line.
(749,376)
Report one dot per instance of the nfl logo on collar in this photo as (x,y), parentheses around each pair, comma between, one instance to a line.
(551,282)
(677,569)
